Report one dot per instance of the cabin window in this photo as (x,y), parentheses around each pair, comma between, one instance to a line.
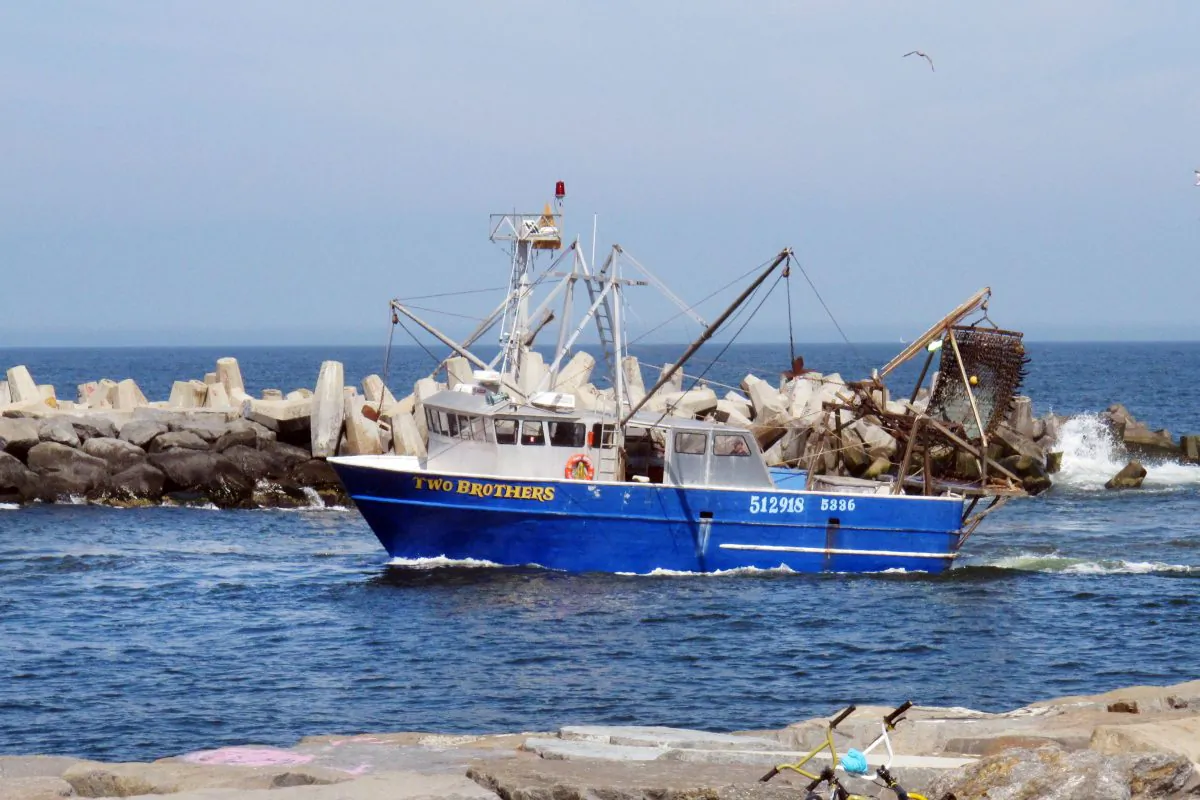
(439,421)
(603,435)
(532,432)
(567,434)
(691,444)
(730,444)
(506,431)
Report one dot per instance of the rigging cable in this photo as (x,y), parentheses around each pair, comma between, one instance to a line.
(787,273)
(387,359)
(862,362)
(739,278)
(732,339)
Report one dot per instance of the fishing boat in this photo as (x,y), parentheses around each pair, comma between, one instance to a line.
(518,472)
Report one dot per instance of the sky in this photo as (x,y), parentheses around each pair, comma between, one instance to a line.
(189,173)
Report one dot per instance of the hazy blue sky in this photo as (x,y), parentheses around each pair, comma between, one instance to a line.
(274,171)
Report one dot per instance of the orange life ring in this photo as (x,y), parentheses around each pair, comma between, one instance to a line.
(579,467)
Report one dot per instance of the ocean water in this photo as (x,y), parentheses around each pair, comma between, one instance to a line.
(141,633)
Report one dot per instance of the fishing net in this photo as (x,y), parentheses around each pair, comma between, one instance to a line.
(994,361)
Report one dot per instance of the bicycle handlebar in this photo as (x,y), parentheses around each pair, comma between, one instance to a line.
(838,719)
(890,719)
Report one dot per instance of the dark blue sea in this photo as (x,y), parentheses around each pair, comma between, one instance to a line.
(142,633)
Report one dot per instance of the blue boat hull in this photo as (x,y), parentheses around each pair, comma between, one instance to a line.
(639,528)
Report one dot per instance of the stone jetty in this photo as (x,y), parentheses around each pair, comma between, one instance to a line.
(1142,743)
(211,442)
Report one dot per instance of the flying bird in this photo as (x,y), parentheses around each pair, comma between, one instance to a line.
(922,55)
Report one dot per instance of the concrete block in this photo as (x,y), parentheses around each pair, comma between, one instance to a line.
(299,394)
(328,409)
(216,396)
(281,416)
(769,406)
(731,413)
(692,403)
(85,391)
(531,373)
(797,394)
(362,435)
(1021,417)
(5,394)
(631,373)
(21,386)
(210,378)
(742,403)
(375,391)
(272,394)
(187,394)
(126,396)
(576,373)
(406,437)
(230,375)
(425,387)
(47,395)
(676,382)
(458,371)
(105,394)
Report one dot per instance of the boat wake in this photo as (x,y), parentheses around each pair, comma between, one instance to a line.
(1091,456)
(441,561)
(1057,563)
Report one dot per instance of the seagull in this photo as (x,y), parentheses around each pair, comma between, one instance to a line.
(922,55)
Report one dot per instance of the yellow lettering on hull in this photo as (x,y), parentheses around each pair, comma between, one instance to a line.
(504,491)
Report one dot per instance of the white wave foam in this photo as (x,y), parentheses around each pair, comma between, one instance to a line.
(659,572)
(9,506)
(441,561)
(1091,456)
(1056,562)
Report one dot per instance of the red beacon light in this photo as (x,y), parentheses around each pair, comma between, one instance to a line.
(560,190)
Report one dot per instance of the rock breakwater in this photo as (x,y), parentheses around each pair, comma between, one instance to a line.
(211,442)
(1141,742)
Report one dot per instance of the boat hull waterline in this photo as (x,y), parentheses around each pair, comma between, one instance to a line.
(580,526)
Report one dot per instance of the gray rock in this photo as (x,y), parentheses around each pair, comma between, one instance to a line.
(177,440)
(1130,477)
(245,437)
(208,473)
(119,454)
(16,482)
(290,453)
(142,431)
(1052,773)
(206,428)
(315,473)
(19,435)
(256,464)
(540,779)
(141,481)
(93,779)
(66,471)
(92,427)
(35,788)
(57,429)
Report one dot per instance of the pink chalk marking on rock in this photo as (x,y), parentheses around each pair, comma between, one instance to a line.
(247,756)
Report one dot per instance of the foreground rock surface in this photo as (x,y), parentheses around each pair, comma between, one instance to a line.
(1137,743)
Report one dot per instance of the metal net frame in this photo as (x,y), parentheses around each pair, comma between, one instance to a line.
(996,359)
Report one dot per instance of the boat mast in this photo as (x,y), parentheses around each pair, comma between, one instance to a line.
(704,337)
(528,233)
